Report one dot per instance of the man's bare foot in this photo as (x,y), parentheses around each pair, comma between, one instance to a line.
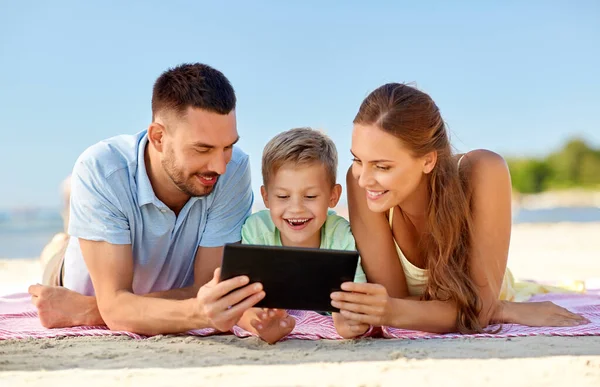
(60,307)
(272,325)
(539,314)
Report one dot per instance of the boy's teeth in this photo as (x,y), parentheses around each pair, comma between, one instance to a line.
(296,221)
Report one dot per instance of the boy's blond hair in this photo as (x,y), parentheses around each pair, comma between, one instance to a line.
(299,147)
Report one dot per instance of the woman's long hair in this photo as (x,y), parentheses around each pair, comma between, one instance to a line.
(413,117)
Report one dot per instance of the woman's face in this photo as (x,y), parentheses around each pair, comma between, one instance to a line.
(384,167)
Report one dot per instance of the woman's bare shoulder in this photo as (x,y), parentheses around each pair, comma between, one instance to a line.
(481,165)
(490,189)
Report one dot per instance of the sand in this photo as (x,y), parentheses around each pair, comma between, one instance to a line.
(557,252)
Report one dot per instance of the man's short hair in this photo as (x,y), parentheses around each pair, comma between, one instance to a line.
(192,84)
(299,147)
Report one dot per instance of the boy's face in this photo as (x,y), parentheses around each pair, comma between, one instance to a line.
(298,199)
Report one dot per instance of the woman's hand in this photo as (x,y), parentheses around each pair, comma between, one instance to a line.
(365,303)
(348,329)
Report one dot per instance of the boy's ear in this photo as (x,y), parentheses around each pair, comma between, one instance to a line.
(430,159)
(336,193)
(263,193)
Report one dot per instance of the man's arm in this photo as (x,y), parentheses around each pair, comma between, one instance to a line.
(102,226)
(111,271)
(60,307)
(206,261)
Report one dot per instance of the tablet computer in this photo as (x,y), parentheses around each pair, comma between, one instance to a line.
(292,277)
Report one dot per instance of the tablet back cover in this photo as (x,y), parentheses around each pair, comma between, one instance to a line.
(293,278)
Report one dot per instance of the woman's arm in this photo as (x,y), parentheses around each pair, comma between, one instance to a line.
(374,240)
(491,200)
(492,219)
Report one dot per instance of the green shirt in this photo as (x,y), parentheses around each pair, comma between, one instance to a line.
(259,229)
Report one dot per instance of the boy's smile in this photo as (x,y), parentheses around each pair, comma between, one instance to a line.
(298,198)
(298,224)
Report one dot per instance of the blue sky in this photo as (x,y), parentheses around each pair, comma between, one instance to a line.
(515,77)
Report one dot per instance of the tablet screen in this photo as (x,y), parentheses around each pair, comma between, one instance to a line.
(292,277)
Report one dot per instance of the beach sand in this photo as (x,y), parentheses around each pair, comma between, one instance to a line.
(548,252)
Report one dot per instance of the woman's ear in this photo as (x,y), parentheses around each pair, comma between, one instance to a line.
(265,197)
(336,193)
(156,133)
(429,161)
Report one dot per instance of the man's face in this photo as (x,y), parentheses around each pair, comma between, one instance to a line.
(197,148)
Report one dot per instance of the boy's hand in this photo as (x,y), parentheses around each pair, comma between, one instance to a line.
(347,328)
(271,325)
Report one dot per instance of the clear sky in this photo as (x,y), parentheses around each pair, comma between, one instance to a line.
(517,77)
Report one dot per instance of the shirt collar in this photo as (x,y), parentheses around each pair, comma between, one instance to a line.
(145,193)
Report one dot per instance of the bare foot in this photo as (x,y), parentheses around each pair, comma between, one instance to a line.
(60,307)
(56,246)
(273,325)
(539,314)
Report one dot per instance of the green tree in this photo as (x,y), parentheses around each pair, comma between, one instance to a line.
(589,172)
(566,163)
(529,175)
(575,165)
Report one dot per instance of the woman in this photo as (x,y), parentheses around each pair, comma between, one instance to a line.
(432,228)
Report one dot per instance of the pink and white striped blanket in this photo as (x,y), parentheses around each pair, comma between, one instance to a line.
(19,320)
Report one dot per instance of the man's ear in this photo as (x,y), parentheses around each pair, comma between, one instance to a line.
(156,134)
(336,193)
(429,161)
(263,193)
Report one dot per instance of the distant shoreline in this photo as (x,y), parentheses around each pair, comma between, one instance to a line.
(557,199)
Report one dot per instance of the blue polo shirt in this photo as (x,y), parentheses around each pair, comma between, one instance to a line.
(112,200)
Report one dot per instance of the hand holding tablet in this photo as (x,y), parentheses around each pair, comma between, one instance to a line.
(292,277)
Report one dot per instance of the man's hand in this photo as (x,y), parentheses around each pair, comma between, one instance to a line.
(60,307)
(222,304)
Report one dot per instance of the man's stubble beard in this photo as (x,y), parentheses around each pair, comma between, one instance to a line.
(183,184)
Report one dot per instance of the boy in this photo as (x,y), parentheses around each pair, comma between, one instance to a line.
(299,186)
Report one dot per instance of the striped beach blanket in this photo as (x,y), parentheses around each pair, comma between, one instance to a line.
(19,320)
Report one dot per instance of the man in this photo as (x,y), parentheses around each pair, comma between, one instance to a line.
(149,216)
